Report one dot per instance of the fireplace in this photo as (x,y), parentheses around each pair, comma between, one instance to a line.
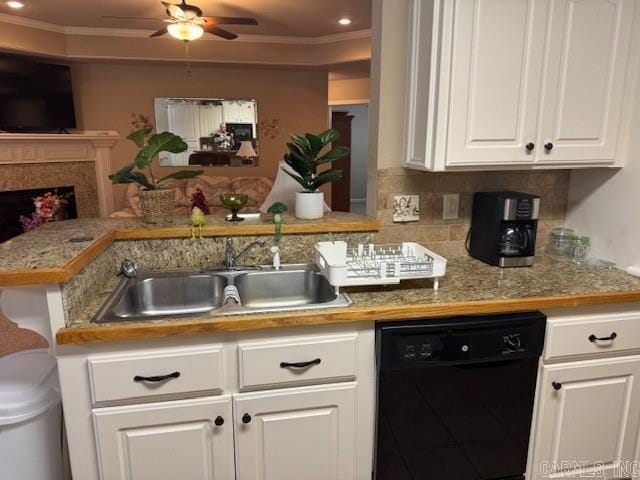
(22,210)
(81,159)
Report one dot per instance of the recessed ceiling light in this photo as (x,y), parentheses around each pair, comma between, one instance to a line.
(344,21)
(15,4)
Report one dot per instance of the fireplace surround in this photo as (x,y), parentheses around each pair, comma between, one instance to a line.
(79,159)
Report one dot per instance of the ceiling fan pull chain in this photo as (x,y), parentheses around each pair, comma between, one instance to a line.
(186,47)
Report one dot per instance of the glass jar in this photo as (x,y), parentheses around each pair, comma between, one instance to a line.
(560,241)
(580,247)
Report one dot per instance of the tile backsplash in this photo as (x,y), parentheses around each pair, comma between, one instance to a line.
(447,237)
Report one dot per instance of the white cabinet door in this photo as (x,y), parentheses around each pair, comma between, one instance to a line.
(166,441)
(239,111)
(583,83)
(184,120)
(210,119)
(587,419)
(496,61)
(301,433)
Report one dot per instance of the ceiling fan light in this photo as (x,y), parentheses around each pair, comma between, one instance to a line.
(14,4)
(185,31)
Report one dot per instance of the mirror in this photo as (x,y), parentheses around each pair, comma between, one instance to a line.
(218,132)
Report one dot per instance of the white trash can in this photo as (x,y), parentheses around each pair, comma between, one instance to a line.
(30,417)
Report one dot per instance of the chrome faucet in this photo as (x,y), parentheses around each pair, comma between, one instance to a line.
(230,257)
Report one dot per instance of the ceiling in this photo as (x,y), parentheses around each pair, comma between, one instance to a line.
(299,18)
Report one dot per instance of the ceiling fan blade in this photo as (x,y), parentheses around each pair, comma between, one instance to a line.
(231,20)
(159,33)
(219,32)
(174,11)
(124,17)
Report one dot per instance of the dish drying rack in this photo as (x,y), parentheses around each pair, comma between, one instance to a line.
(380,264)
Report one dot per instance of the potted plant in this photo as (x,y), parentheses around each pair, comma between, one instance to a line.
(156,200)
(304,158)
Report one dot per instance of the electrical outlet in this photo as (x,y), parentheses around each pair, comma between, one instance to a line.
(451,206)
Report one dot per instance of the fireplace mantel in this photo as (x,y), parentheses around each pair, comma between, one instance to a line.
(87,146)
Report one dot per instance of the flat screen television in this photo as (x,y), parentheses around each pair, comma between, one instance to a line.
(35,95)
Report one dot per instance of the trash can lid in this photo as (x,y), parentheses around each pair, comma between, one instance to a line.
(28,385)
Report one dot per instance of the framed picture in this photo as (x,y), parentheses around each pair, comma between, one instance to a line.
(406,208)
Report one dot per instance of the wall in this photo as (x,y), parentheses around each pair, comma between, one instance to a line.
(108,93)
(349,90)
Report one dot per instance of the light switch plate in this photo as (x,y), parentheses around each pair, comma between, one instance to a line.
(451,206)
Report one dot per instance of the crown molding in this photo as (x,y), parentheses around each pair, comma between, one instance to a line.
(199,61)
(28,22)
(137,33)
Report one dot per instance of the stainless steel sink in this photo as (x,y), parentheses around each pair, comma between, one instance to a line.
(180,294)
(170,295)
(284,289)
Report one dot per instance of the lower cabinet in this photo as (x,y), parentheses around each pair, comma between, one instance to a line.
(587,419)
(301,433)
(184,439)
(189,409)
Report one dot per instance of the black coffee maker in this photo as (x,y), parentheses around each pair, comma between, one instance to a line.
(503,228)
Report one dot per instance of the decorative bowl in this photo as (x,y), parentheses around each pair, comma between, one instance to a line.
(234,202)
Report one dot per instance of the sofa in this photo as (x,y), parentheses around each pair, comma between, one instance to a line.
(256,188)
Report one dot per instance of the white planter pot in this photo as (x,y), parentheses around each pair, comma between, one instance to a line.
(309,206)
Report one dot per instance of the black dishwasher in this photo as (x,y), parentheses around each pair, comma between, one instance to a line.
(455,396)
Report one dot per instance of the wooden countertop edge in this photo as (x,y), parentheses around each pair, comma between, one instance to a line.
(340,226)
(44,276)
(135,331)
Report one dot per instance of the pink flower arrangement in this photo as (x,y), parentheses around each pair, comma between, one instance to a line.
(199,200)
(50,207)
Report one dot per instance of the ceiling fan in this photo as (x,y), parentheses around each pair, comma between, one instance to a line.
(187,22)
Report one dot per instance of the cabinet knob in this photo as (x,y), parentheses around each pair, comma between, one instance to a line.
(548,146)
(556,385)
(246,418)
(219,421)
(530,146)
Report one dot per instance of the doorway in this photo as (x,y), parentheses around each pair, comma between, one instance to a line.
(352,121)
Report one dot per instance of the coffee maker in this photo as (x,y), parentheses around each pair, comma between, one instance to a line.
(503,228)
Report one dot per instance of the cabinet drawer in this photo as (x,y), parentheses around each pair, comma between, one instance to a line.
(155,372)
(297,361)
(589,335)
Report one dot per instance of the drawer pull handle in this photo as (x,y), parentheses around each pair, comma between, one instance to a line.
(156,379)
(219,421)
(246,418)
(300,364)
(556,385)
(593,338)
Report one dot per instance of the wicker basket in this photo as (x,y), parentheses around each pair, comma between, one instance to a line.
(157,205)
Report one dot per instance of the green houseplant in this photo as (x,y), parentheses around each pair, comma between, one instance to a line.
(304,158)
(156,200)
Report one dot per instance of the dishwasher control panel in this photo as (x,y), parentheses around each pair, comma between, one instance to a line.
(476,339)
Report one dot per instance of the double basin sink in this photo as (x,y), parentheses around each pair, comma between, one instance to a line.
(176,294)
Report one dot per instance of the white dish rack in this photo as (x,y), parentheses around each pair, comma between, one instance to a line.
(380,264)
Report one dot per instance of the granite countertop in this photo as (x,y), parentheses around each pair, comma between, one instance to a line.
(470,287)
(53,254)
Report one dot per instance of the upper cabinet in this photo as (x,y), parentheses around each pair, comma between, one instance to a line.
(517,83)
(583,83)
